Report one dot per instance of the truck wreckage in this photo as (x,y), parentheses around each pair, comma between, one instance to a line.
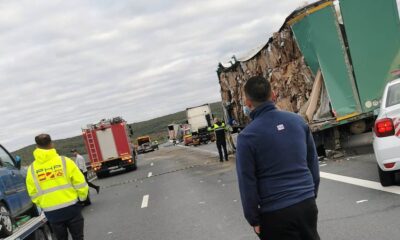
(329,63)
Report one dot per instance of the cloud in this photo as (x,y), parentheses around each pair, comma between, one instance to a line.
(65,64)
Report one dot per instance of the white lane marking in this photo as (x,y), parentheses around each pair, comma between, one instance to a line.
(323,165)
(360,182)
(151,164)
(361,201)
(150,174)
(145,201)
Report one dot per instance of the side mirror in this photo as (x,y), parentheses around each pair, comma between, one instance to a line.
(18,162)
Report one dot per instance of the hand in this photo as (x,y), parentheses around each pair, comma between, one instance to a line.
(257,230)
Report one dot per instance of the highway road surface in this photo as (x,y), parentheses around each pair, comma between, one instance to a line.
(182,193)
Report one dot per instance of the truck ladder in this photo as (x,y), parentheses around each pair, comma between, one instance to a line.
(92,146)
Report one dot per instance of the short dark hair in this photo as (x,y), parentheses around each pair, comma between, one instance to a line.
(43,140)
(258,89)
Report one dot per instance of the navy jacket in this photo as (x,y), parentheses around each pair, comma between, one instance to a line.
(277,163)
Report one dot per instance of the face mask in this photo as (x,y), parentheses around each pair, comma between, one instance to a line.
(246,110)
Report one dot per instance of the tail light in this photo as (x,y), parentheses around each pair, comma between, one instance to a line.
(384,127)
(389,165)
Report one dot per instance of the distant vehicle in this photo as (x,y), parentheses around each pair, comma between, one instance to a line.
(200,119)
(16,207)
(144,145)
(108,146)
(387,134)
(173,132)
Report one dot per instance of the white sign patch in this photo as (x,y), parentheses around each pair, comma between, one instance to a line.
(280,127)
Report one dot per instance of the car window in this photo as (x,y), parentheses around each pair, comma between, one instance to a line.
(6,159)
(393,96)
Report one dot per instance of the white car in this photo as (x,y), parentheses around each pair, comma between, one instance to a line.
(387,134)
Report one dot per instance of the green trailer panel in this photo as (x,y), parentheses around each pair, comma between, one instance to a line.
(373,32)
(303,34)
(320,40)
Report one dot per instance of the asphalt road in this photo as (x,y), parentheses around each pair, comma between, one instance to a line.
(190,195)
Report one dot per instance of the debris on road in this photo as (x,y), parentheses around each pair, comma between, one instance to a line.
(361,201)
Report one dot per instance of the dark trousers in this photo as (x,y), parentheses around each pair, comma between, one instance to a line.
(220,145)
(89,183)
(73,225)
(297,222)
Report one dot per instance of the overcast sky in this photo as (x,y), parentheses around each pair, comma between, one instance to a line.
(64,64)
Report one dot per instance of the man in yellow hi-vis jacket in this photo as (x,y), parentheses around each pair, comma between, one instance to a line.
(56,185)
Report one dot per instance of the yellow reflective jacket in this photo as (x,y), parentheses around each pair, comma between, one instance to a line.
(218,127)
(55,182)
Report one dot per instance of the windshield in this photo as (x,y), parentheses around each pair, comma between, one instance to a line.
(393,96)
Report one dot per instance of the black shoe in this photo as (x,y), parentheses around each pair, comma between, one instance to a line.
(221,161)
(98,189)
(226,160)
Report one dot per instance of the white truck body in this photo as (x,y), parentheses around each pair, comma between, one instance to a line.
(197,116)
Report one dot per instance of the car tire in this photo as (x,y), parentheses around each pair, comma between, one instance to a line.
(131,168)
(386,178)
(6,221)
(43,233)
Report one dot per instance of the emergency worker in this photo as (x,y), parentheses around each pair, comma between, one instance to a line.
(56,185)
(219,129)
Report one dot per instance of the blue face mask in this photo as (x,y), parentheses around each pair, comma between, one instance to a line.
(246,110)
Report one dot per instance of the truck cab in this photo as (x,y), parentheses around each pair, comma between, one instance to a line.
(14,199)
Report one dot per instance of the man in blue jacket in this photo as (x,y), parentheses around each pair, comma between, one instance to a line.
(278,170)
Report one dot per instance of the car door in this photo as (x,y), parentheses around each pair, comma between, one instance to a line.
(9,182)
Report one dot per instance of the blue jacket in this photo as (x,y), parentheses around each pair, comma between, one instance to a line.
(277,163)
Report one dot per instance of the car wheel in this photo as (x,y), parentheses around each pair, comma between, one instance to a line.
(386,178)
(6,222)
(43,233)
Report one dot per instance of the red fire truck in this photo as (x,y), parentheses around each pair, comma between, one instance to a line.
(108,146)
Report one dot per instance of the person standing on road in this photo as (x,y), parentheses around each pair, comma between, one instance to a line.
(81,163)
(55,184)
(219,129)
(277,168)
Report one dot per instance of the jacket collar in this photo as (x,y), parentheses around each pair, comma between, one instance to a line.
(265,107)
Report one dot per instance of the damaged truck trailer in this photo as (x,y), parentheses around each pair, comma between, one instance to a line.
(329,63)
